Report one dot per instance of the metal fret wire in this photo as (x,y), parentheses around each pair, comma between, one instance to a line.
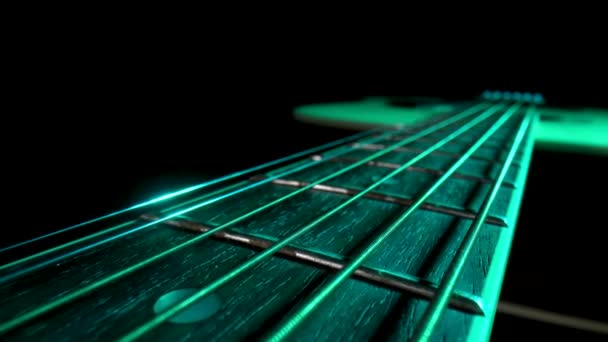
(433,313)
(397,199)
(83,249)
(390,165)
(445,154)
(198,186)
(114,228)
(378,276)
(310,305)
(43,309)
(159,319)
(234,175)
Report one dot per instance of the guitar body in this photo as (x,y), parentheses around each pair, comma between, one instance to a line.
(366,234)
(580,130)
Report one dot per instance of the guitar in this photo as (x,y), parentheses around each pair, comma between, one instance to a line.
(297,248)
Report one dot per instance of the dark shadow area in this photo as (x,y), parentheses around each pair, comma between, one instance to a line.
(559,246)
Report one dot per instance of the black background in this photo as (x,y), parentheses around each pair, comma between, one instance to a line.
(98,124)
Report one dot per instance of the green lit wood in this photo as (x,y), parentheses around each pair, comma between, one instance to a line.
(583,130)
(256,300)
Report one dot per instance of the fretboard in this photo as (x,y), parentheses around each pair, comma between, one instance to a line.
(396,235)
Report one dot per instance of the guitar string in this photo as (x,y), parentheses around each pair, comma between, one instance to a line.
(102,232)
(198,187)
(114,228)
(434,311)
(327,260)
(117,227)
(160,318)
(69,297)
(306,308)
(35,267)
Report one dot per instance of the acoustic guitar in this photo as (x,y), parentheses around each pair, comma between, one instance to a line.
(399,232)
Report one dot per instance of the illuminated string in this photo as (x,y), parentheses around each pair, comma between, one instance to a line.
(43,309)
(198,186)
(103,232)
(109,230)
(160,318)
(433,313)
(309,306)
(57,259)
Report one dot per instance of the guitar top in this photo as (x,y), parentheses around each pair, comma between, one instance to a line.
(399,233)
(581,130)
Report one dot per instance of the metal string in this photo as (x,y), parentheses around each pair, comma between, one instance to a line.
(159,319)
(198,186)
(310,305)
(43,309)
(114,228)
(108,230)
(103,232)
(434,311)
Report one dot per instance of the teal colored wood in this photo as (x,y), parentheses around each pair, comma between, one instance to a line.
(583,130)
(253,304)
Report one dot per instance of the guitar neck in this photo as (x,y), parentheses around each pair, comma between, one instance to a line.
(396,234)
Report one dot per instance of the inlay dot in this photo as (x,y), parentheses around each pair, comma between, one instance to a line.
(200,310)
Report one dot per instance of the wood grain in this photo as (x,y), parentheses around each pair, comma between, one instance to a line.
(259,298)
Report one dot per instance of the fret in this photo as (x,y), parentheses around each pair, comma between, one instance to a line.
(264,250)
(200,186)
(263,256)
(484,152)
(297,317)
(93,286)
(405,201)
(378,147)
(375,276)
(465,139)
(425,328)
(298,166)
(476,168)
(497,141)
(463,176)
(195,266)
(458,142)
(455,192)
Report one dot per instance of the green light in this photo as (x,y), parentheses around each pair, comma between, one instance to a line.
(68,298)
(481,327)
(143,329)
(308,307)
(434,311)
(198,187)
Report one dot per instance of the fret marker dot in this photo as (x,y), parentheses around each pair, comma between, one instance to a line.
(202,309)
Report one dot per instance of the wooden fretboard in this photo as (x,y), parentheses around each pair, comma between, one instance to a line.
(375,229)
